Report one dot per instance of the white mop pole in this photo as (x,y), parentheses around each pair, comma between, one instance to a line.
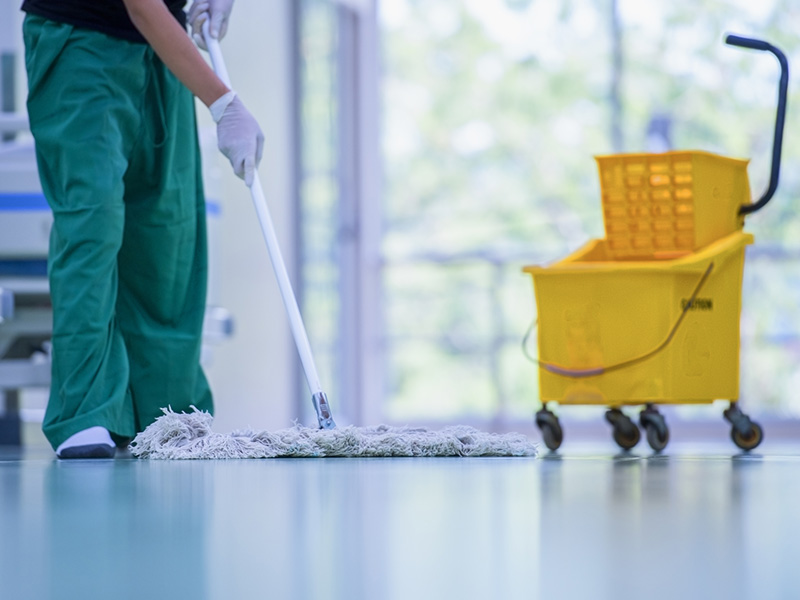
(318,397)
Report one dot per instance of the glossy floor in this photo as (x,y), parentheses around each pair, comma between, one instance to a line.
(700,521)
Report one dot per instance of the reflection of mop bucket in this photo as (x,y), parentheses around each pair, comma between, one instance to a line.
(650,314)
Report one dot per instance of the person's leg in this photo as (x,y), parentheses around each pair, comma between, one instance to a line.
(84,90)
(163,260)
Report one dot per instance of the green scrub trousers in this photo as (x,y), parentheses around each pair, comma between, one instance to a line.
(116,146)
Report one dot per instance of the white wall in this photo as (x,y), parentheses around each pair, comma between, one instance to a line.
(11,41)
(253,374)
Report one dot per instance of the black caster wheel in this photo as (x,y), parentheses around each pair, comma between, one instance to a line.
(656,440)
(627,438)
(626,434)
(745,433)
(548,424)
(655,426)
(749,441)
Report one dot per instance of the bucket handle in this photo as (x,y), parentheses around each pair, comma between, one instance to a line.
(777,142)
(580,373)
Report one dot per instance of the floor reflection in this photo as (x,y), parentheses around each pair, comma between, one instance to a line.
(396,528)
(103,529)
(591,526)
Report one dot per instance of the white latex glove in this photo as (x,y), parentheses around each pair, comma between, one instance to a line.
(238,136)
(218,11)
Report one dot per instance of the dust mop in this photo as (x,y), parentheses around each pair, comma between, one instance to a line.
(189,435)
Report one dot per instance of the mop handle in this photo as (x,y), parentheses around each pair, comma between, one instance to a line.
(319,398)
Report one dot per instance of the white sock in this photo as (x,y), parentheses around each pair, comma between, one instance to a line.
(87,437)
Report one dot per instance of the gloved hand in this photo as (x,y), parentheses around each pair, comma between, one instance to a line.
(238,136)
(217,11)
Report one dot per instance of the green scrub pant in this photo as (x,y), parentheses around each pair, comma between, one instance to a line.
(116,146)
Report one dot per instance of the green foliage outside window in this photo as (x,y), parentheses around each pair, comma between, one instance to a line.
(493,111)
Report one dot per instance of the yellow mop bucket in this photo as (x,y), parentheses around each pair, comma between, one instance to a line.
(615,333)
(650,314)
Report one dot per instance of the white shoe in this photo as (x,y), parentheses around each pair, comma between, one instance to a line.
(94,442)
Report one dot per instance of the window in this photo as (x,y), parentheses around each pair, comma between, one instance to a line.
(319,290)
(490,113)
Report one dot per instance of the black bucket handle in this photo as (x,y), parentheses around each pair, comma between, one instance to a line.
(777,143)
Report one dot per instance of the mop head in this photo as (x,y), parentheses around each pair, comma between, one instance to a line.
(189,436)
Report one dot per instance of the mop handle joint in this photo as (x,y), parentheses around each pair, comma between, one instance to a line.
(324,415)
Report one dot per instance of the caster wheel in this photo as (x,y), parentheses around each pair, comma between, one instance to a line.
(657,441)
(548,424)
(553,436)
(745,433)
(655,426)
(626,434)
(626,438)
(750,441)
